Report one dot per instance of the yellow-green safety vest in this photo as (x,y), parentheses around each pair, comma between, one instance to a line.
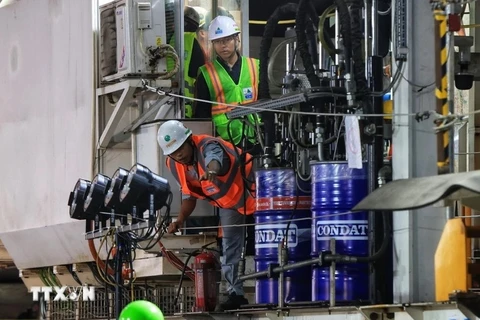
(224,90)
(188,40)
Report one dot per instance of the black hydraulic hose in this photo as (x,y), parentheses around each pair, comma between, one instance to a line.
(316,23)
(184,269)
(357,53)
(346,31)
(265,45)
(381,251)
(263,86)
(312,41)
(301,20)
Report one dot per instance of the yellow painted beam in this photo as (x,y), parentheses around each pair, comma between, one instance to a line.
(451,260)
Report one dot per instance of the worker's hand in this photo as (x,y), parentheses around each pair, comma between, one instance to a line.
(209,175)
(175,226)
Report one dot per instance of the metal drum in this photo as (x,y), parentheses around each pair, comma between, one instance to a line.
(351,283)
(337,189)
(276,195)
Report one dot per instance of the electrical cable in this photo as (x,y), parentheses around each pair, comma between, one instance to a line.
(74,274)
(301,19)
(362,89)
(387,235)
(263,85)
(271,78)
(346,31)
(329,47)
(177,296)
(205,247)
(326,114)
(260,223)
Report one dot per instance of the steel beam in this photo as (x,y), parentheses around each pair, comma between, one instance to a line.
(415,232)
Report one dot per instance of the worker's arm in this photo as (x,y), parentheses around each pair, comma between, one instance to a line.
(216,160)
(188,205)
(186,209)
(203,110)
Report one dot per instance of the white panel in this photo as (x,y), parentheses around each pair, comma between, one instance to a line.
(150,155)
(46,99)
(131,43)
(48,246)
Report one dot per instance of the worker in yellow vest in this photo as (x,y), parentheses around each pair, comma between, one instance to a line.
(231,79)
(193,57)
(202,32)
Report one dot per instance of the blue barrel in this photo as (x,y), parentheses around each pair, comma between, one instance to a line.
(276,195)
(351,283)
(337,189)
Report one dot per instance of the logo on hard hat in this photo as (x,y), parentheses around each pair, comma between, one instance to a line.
(167,138)
(218,31)
(171,143)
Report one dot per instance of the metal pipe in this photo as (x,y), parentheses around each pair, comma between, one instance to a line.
(368,30)
(284,268)
(332,275)
(451,86)
(321,260)
(118,276)
(337,36)
(282,259)
(374,29)
(245,35)
(96,80)
(450,37)
(372,180)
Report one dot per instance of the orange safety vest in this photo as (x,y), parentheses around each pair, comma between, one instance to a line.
(226,191)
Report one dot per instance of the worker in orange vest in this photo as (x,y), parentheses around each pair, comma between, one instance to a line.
(208,168)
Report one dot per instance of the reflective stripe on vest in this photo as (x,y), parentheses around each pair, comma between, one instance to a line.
(224,90)
(230,194)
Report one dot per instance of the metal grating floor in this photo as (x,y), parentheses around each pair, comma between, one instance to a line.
(102,307)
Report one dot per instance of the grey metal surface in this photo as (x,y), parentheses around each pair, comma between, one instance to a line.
(408,194)
(268,104)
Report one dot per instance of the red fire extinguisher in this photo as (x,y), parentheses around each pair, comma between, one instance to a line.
(205,267)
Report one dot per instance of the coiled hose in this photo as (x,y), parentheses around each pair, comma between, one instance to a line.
(301,20)
(346,31)
(263,86)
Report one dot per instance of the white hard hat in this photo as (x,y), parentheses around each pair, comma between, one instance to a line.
(202,13)
(222,27)
(171,136)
